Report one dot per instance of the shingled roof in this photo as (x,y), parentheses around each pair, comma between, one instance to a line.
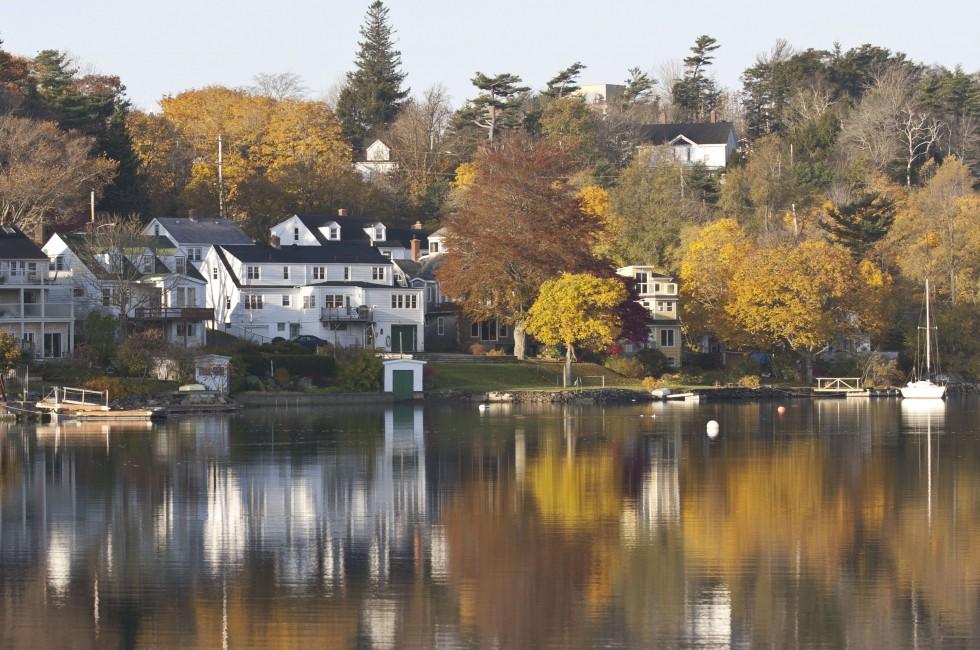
(352,230)
(15,245)
(217,232)
(696,132)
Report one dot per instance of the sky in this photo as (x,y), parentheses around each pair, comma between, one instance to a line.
(160,48)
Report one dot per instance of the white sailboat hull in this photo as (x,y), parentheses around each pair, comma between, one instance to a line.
(923,390)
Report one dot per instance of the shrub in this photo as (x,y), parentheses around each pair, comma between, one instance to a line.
(497,352)
(655,361)
(550,352)
(880,371)
(112,384)
(359,370)
(478,349)
(749,381)
(318,369)
(626,366)
(135,355)
(651,383)
(98,338)
(282,376)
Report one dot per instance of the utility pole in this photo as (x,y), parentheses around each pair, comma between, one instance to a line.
(221,182)
(91,204)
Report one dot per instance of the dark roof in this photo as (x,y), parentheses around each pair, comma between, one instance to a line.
(15,245)
(205,231)
(430,265)
(331,252)
(352,230)
(409,267)
(696,132)
(77,243)
(157,242)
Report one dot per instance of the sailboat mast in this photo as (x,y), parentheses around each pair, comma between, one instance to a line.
(928,335)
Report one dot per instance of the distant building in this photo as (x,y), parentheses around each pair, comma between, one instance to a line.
(36,305)
(600,96)
(194,236)
(658,294)
(374,160)
(317,230)
(711,143)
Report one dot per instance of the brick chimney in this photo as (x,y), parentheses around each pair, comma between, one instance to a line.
(342,212)
(713,116)
(416,249)
(663,117)
(274,241)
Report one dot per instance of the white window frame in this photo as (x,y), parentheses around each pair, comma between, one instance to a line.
(252,272)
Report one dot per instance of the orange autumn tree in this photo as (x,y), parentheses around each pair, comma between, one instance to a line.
(514,224)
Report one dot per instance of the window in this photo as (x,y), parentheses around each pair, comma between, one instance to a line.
(386,254)
(430,293)
(377,273)
(285,300)
(253,301)
(295,234)
(379,232)
(402,301)
(319,273)
(670,306)
(180,264)
(214,273)
(106,296)
(661,305)
(656,288)
(77,292)
(666,338)
(641,282)
(502,329)
(156,229)
(309,302)
(440,326)
(433,247)
(475,330)
(285,273)
(671,289)
(334,233)
(334,302)
(191,297)
(185,330)
(347,273)
(194,254)
(227,302)
(57,264)
(147,264)
(251,273)
(281,327)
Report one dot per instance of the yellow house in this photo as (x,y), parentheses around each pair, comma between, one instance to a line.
(658,294)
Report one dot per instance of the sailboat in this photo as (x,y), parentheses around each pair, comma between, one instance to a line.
(924,387)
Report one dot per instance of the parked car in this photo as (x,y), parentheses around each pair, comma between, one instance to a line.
(308,341)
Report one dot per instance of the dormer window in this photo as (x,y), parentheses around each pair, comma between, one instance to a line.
(295,234)
(147,264)
(433,247)
(156,230)
(334,233)
(379,232)
(180,263)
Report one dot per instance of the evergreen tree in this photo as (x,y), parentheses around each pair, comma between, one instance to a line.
(639,87)
(861,224)
(370,99)
(696,95)
(565,82)
(496,107)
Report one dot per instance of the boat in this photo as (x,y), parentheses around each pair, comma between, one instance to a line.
(923,387)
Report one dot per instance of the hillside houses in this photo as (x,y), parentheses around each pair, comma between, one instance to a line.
(711,143)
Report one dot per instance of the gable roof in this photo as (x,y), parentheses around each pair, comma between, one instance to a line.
(352,230)
(205,231)
(326,253)
(15,245)
(696,132)
(425,269)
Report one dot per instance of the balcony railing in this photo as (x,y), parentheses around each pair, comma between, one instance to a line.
(362,314)
(35,310)
(173,313)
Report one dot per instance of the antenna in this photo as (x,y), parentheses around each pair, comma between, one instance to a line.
(221,182)
(91,204)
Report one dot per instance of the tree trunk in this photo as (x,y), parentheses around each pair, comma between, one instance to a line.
(520,341)
(567,374)
(807,357)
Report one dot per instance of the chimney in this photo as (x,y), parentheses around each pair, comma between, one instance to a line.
(192,214)
(416,249)
(39,233)
(417,225)
(342,212)
(713,116)
(663,117)
(274,241)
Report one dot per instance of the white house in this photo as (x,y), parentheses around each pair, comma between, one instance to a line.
(658,294)
(36,305)
(711,143)
(316,230)
(374,160)
(341,292)
(151,279)
(194,236)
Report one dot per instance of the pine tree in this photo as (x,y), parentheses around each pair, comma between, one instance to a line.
(370,99)
(565,82)
(639,87)
(496,107)
(861,224)
(696,95)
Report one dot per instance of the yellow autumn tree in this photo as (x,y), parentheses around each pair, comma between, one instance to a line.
(707,268)
(801,296)
(595,203)
(576,309)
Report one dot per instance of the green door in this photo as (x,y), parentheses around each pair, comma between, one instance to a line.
(402,384)
(403,338)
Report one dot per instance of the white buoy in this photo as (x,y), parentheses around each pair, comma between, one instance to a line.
(781,410)
(483,407)
(712,429)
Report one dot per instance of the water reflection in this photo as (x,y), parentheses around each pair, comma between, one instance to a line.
(838,522)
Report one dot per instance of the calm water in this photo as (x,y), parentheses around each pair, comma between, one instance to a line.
(839,524)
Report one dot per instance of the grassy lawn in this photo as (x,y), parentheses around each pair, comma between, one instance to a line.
(521,375)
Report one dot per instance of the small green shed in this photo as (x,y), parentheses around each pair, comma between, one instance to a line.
(403,378)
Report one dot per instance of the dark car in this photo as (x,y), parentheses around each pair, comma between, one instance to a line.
(308,341)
